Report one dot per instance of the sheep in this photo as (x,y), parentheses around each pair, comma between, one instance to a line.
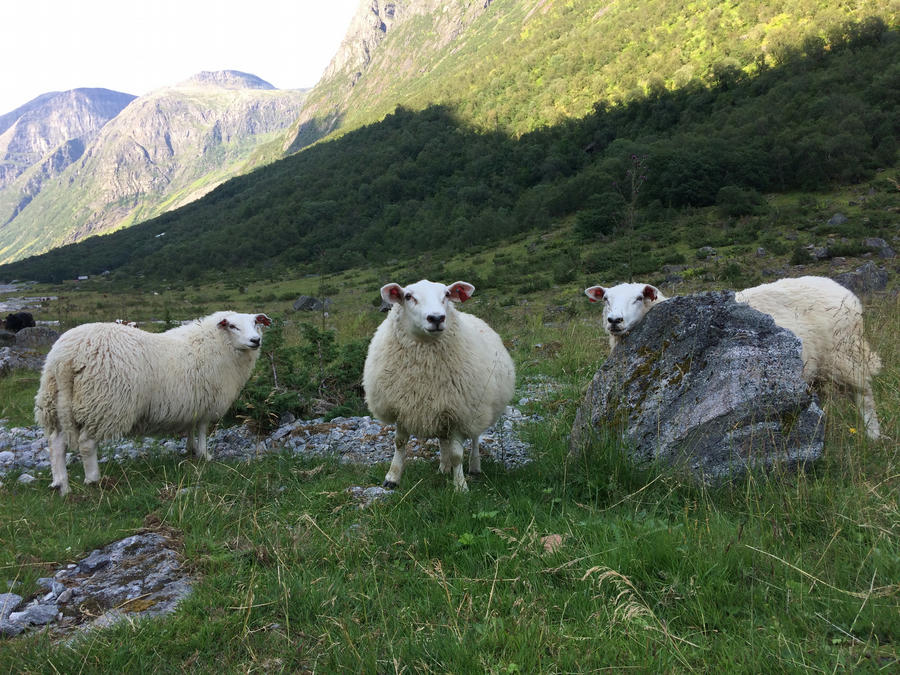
(624,306)
(825,316)
(828,320)
(436,372)
(103,381)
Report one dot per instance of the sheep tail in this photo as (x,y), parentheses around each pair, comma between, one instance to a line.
(53,404)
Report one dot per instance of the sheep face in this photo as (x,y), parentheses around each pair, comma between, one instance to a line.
(425,305)
(624,305)
(242,330)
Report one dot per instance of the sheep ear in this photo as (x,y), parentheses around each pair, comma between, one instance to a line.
(460,291)
(263,319)
(595,293)
(223,323)
(650,292)
(392,293)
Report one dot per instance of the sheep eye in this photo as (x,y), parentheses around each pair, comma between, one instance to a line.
(232,326)
(408,296)
(639,298)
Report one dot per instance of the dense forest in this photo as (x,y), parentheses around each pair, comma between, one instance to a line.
(829,113)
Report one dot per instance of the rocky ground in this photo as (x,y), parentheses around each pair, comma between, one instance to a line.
(141,575)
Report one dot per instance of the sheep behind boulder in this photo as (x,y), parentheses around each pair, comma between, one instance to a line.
(103,381)
(828,320)
(436,372)
(825,316)
(624,306)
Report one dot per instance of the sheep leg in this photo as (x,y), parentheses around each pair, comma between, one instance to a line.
(392,479)
(475,457)
(866,403)
(452,459)
(202,450)
(58,462)
(88,449)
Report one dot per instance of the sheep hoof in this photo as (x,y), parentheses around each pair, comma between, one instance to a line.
(389,485)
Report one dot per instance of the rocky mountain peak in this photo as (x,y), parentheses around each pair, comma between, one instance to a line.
(226,79)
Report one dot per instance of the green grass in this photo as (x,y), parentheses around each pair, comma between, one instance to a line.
(17,391)
(774,574)
(778,574)
(788,574)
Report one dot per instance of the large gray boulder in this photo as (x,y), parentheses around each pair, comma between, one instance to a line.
(707,384)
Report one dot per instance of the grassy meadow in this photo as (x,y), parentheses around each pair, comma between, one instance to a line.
(563,565)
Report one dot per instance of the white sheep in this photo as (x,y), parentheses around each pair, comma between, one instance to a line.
(825,316)
(828,320)
(436,372)
(103,381)
(624,306)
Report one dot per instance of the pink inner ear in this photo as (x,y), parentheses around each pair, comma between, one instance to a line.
(223,323)
(649,292)
(595,293)
(396,293)
(459,292)
(263,319)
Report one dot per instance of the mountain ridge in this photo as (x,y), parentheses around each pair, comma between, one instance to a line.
(160,151)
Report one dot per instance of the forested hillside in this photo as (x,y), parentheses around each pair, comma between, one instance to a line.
(519,65)
(425,181)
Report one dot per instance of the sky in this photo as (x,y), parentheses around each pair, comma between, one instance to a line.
(137,46)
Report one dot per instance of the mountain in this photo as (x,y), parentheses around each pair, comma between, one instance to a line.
(51,131)
(520,65)
(362,70)
(158,152)
(618,123)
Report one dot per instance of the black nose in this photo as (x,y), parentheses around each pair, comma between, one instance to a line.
(254,341)
(615,320)
(436,319)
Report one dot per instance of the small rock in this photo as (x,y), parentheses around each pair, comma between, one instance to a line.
(8,603)
(837,219)
(65,596)
(9,629)
(95,561)
(26,478)
(866,279)
(35,615)
(51,584)
(881,247)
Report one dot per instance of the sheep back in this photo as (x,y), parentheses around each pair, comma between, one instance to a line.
(461,382)
(828,320)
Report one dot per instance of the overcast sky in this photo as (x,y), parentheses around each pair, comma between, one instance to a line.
(136,46)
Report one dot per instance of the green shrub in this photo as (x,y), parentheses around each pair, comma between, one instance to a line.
(297,379)
(733,201)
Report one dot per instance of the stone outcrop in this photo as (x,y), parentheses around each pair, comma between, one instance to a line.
(139,576)
(36,336)
(868,278)
(708,385)
(307,303)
